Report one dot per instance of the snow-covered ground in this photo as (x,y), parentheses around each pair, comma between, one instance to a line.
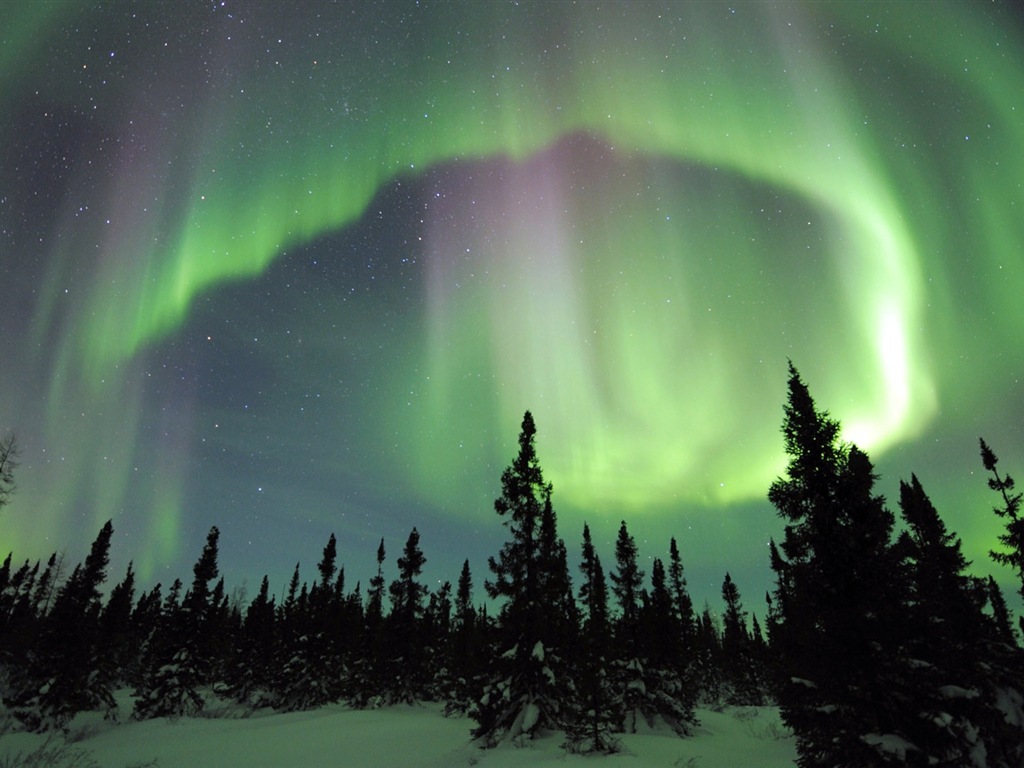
(400,737)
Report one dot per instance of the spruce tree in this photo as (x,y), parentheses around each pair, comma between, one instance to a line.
(309,633)
(561,622)
(627,582)
(367,686)
(668,694)
(436,628)
(179,656)
(1000,613)
(221,627)
(464,594)
(19,617)
(1009,509)
(407,593)
(375,594)
(327,567)
(947,603)
(145,623)
(327,629)
(46,587)
(523,698)
(466,658)
(202,610)
(406,680)
(683,608)
(353,611)
(734,620)
(961,678)
(627,585)
(741,671)
(252,680)
(708,667)
(9,451)
(6,603)
(67,675)
(345,627)
(596,712)
(839,628)
(302,681)
(116,630)
(762,658)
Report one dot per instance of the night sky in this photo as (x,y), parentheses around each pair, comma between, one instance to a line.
(295,268)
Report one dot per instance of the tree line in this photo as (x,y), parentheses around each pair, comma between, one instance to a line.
(878,646)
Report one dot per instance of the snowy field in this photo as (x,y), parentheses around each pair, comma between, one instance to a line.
(401,737)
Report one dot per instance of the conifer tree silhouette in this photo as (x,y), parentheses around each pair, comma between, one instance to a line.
(180,651)
(838,595)
(1013,538)
(66,674)
(523,698)
(596,712)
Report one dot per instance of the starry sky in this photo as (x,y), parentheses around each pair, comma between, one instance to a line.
(299,268)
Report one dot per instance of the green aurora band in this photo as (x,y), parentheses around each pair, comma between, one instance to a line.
(642,318)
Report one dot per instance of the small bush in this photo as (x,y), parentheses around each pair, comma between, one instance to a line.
(771,730)
(745,714)
(57,753)
(50,754)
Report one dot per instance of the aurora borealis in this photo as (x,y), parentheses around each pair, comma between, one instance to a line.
(299,268)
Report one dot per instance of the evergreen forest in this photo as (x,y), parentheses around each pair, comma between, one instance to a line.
(878,645)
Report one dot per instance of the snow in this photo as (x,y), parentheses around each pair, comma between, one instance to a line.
(956,692)
(890,743)
(538,651)
(406,736)
(530,716)
(1011,704)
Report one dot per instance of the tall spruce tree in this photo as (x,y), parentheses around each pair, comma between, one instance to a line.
(8,463)
(627,586)
(436,644)
(179,653)
(47,586)
(375,594)
(523,698)
(328,564)
(960,676)
(840,606)
(627,583)
(252,679)
(329,626)
(683,608)
(312,633)
(366,686)
(708,675)
(304,681)
(146,618)
(646,651)
(467,652)
(561,614)
(596,712)
(116,630)
(203,608)
(406,681)
(947,604)
(668,696)
(1010,510)
(742,670)
(1000,612)
(66,674)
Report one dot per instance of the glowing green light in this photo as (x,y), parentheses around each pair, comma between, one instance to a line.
(649,388)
